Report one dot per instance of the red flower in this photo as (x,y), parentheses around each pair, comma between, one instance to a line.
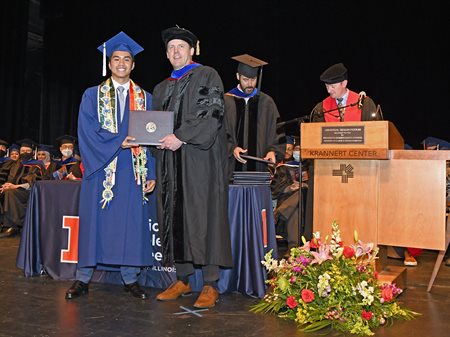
(307,295)
(348,252)
(387,294)
(367,315)
(291,302)
(315,243)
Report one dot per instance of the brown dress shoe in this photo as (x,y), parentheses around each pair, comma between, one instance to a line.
(77,289)
(208,298)
(135,290)
(175,290)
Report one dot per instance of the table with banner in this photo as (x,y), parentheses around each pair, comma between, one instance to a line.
(49,242)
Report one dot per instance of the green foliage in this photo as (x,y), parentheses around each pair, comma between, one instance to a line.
(325,284)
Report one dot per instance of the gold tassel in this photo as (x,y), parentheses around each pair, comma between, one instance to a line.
(197,48)
(104,60)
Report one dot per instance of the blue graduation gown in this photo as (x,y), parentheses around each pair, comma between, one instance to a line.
(119,233)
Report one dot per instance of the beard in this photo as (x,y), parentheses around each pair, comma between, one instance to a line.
(249,90)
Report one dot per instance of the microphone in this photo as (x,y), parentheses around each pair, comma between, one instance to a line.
(298,119)
(362,97)
(378,112)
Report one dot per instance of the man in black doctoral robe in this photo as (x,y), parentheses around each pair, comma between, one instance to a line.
(191,169)
(251,120)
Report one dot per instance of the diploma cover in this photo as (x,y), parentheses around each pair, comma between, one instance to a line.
(149,126)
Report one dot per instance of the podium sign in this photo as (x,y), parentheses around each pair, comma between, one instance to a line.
(352,140)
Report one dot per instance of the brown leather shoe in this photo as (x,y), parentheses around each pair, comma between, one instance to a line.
(77,289)
(175,290)
(208,298)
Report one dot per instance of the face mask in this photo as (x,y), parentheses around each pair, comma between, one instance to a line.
(67,152)
(2,153)
(26,156)
(296,155)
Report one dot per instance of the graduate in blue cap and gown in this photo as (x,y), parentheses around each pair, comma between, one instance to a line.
(118,174)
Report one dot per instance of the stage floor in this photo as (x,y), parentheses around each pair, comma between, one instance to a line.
(36,307)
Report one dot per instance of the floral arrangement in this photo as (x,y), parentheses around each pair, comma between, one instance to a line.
(325,284)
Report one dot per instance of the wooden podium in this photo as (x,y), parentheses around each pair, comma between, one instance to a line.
(365,181)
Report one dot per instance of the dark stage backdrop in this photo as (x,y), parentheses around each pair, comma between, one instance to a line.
(396,51)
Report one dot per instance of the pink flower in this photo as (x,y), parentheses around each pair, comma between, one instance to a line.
(307,295)
(348,252)
(362,249)
(387,294)
(322,255)
(367,315)
(291,302)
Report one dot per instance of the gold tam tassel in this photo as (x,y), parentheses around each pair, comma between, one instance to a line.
(197,48)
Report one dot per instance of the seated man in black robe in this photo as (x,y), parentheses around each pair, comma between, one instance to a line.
(285,188)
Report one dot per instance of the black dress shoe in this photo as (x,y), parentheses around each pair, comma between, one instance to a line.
(135,290)
(77,289)
(9,233)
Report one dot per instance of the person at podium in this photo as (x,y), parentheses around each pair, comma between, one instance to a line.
(341,105)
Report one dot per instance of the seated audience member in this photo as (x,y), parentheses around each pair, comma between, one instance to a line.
(3,149)
(7,161)
(15,191)
(285,188)
(69,166)
(14,152)
(290,143)
(44,154)
(3,159)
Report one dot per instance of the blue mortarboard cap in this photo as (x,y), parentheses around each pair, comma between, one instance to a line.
(14,147)
(119,42)
(433,143)
(289,139)
(44,147)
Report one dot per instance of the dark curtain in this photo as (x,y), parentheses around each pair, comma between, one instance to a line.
(396,52)
(13,39)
